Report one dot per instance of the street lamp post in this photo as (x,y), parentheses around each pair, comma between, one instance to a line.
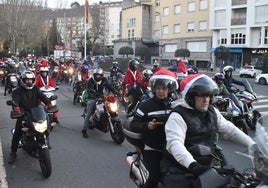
(160,38)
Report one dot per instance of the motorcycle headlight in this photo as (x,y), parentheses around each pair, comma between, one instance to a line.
(65,71)
(40,127)
(71,71)
(114,107)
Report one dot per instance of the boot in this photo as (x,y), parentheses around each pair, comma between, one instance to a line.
(12,158)
(84,133)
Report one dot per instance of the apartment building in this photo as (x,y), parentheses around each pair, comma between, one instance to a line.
(175,24)
(242,26)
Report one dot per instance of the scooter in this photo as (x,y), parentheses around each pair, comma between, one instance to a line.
(105,117)
(49,92)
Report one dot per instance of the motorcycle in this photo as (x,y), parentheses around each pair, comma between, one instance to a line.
(105,117)
(78,88)
(34,139)
(132,104)
(49,92)
(248,97)
(231,111)
(12,79)
(117,81)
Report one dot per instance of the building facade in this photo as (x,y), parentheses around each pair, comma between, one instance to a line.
(242,26)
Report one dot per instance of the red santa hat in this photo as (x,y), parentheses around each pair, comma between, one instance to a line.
(187,82)
(165,74)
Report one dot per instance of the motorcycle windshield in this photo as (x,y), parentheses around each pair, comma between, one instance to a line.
(247,86)
(38,114)
(262,135)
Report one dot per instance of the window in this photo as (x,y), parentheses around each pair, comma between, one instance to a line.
(165,29)
(165,11)
(190,27)
(131,22)
(177,9)
(223,37)
(133,33)
(157,18)
(128,34)
(191,7)
(266,36)
(197,46)
(177,28)
(238,38)
(261,14)
(157,3)
(170,48)
(157,34)
(220,18)
(203,26)
(203,4)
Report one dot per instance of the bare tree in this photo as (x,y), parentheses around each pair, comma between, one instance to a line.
(22,22)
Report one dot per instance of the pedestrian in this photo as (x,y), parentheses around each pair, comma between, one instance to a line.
(208,66)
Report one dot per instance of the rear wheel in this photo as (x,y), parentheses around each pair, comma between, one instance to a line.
(45,162)
(117,135)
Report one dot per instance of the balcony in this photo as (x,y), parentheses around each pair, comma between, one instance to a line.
(239,2)
(239,21)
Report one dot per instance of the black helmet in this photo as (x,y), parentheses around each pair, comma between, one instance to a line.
(27,75)
(96,72)
(219,78)
(133,64)
(197,85)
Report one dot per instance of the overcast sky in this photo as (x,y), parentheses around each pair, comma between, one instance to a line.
(67,3)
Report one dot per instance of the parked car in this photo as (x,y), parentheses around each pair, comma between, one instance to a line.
(262,79)
(249,71)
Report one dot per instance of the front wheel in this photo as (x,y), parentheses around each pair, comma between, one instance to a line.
(45,162)
(117,134)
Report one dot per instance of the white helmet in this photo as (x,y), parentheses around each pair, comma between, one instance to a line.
(44,69)
(27,75)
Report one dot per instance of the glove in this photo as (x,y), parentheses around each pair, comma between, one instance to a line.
(197,169)
(16,109)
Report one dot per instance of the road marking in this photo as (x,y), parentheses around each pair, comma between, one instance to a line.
(3,175)
(260,106)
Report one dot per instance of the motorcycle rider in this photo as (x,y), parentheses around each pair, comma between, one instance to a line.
(229,80)
(11,68)
(94,86)
(219,79)
(26,96)
(114,71)
(153,110)
(194,121)
(44,80)
(156,66)
(131,80)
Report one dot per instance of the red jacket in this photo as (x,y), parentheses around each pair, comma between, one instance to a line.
(181,67)
(131,78)
(40,82)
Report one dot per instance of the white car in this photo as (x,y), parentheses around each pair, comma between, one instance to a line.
(249,71)
(262,79)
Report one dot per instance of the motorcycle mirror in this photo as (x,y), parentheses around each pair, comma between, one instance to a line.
(57,87)
(12,131)
(9,102)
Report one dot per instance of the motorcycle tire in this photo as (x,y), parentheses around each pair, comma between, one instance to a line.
(241,124)
(45,162)
(118,135)
(251,121)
